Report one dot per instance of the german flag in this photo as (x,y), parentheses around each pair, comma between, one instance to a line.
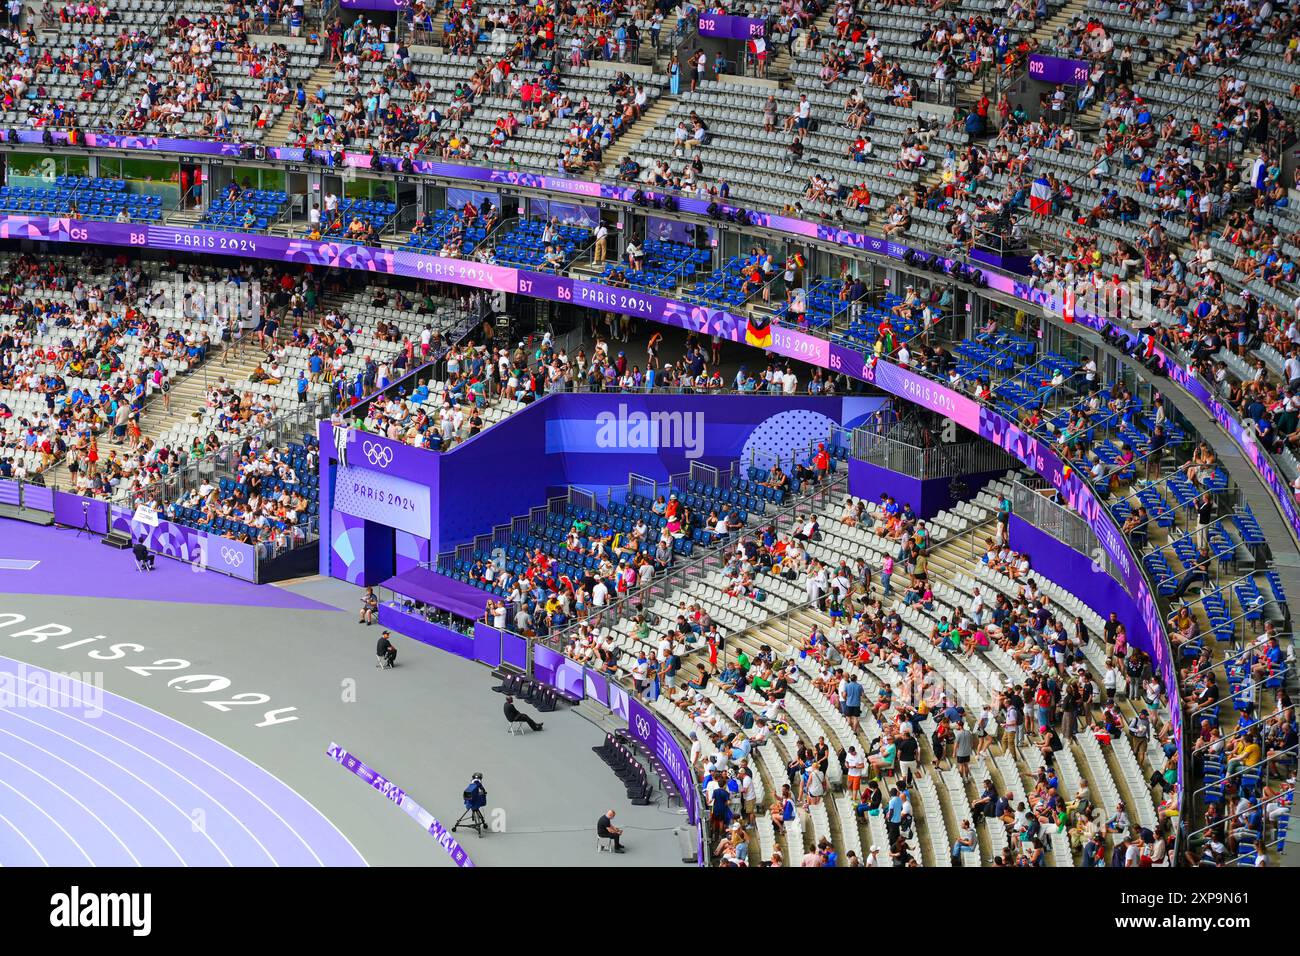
(758,332)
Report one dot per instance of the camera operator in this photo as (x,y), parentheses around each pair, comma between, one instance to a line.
(474,798)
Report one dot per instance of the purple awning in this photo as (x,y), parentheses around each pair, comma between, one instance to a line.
(444,593)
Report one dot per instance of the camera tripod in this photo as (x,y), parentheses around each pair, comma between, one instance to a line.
(473,819)
(85,522)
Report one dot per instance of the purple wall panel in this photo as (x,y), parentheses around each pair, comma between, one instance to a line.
(1057,562)
(514,651)
(645,727)
(346,547)
(595,686)
(38,498)
(67,511)
(545,664)
(198,548)
(412,551)
(435,635)
(568,677)
(487,644)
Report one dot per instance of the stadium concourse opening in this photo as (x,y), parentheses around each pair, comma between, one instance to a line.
(816,435)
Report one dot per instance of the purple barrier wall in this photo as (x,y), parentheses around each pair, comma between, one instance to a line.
(487,644)
(490,462)
(602,438)
(545,664)
(618,701)
(10,492)
(38,498)
(595,686)
(645,727)
(412,551)
(927,497)
(68,510)
(435,635)
(1058,562)
(514,651)
(568,676)
(194,547)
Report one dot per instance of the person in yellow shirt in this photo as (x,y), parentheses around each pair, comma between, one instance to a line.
(1245,753)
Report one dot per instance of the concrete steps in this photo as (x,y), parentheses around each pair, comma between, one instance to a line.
(638,131)
(188,396)
(280,133)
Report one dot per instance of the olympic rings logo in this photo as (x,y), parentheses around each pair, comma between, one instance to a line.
(642,728)
(381,456)
(232,556)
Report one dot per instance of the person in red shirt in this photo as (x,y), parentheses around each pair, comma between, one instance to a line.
(822,462)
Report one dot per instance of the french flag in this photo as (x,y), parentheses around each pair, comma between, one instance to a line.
(1040,197)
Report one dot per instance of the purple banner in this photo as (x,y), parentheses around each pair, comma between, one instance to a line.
(645,727)
(374,4)
(731,28)
(403,800)
(194,547)
(386,499)
(1055,69)
(922,391)
(595,686)
(546,661)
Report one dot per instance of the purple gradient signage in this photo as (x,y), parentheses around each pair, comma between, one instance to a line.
(731,28)
(202,550)
(374,4)
(646,728)
(919,390)
(1055,69)
(389,500)
(397,795)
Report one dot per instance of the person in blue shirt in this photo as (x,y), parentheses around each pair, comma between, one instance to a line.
(853,701)
(302,386)
(894,815)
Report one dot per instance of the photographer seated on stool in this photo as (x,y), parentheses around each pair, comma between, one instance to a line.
(385,651)
(514,716)
(605,830)
(143,556)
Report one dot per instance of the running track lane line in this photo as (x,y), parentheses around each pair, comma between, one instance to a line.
(35,825)
(134,788)
(247,776)
(40,860)
(80,819)
(261,857)
(126,830)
